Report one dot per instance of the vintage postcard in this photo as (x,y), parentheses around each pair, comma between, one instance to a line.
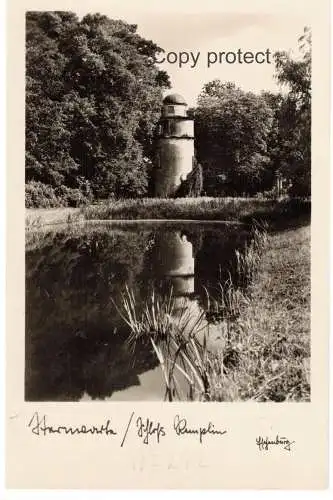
(167,264)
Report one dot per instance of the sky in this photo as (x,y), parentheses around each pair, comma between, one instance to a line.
(214,31)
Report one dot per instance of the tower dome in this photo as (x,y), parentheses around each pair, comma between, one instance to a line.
(175,99)
(174,105)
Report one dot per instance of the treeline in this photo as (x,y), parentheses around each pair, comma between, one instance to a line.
(247,142)
(93,97)
(93,100)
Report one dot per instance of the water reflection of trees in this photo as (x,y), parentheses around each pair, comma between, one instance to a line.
(215,261)
(75,340)
(213,251)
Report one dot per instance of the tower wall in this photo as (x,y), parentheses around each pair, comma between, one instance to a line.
(177,127)
(175,157)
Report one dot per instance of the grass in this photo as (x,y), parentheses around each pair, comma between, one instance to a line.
(193,208)
(204,208)
(181,208)
(37,218)
(263,316)
(264,329)
(270,340)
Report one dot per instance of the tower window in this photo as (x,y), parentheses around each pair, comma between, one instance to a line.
(171,110)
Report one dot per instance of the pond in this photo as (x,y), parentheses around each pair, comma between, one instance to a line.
(77,345)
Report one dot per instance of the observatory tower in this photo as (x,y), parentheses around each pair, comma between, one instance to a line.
(175,147)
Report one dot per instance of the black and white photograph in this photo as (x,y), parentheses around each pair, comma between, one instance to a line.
(168,207)
(167,245)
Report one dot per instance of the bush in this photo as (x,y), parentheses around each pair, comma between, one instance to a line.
(192,186)
(73,197)
(39,195)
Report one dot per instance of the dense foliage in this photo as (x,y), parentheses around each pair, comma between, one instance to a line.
(246,141)
(231,131)
(295,116)
(93,100)
(93,96)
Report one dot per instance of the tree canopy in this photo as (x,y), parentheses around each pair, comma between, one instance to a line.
(231,130)
(245,140)
(93,100)
(295,115)
(93,97)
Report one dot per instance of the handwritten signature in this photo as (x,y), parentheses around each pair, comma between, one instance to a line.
(180,426)
(145,428)
(265,443)
(39,427)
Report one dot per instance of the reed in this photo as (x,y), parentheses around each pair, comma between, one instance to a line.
(249,259)
(264,344)
(173,337)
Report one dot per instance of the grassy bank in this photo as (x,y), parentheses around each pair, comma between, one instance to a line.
(180,208)
(224,209)
(264,330)
(39,217)
(270,340)
(196,208)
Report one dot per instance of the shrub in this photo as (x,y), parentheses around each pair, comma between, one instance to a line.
(73,197)
(39,195)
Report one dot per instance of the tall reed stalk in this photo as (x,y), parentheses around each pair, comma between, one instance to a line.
(188,364)
(249,259)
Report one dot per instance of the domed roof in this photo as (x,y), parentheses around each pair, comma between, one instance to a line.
(174,99)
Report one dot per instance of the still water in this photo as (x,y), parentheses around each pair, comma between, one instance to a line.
(76,341)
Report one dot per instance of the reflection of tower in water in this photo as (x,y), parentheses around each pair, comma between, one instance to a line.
(175,268)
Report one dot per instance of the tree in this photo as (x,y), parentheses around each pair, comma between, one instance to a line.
(275,143)
(231,132)
(295,117)
(93,98)
(193,184)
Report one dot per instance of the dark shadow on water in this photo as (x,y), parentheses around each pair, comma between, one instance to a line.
(76,343)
